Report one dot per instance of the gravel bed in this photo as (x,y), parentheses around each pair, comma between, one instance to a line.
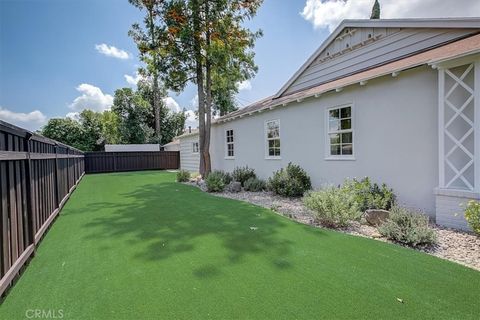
(453,245)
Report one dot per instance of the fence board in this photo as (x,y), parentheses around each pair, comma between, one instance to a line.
(97,162)
(34,172)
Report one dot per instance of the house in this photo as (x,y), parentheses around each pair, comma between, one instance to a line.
(189,150)
(172,146)
(395,100)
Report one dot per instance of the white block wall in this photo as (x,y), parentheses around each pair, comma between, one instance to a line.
(449,210)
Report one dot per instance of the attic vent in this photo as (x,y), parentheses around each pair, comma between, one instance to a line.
(369,36)
(328,53)
(348,46)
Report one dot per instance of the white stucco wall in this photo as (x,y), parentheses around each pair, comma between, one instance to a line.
(189,160)
(395,137)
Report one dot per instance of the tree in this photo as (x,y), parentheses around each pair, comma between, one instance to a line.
(205,42)
(375,10)
(110,127)
(132,111)
(92,130)
(172,123)
(65,130)
(147,41)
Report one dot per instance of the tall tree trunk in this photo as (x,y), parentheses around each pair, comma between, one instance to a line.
(156,105)
(200,84)
(208,104)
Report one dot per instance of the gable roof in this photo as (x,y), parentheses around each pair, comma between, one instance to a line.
(444,23)
(460,48)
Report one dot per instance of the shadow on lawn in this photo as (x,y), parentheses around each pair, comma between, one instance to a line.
(174,218)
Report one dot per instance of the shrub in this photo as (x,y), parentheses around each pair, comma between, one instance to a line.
(215,181)
(242,174)
(291,181)
(371,196)
(472,215)
(408,227)
(332,206)
(183,176)
(254,184)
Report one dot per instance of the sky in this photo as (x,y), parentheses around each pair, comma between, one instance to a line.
(58,57)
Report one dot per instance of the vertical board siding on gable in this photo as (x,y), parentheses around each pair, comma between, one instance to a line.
(188,160)
(390,47)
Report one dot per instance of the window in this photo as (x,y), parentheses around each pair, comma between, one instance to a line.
(195,147)
(272,129)
(230,144)
(340,132)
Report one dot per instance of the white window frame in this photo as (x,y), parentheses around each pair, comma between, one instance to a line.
(193,147)
(227,143)
(266,139)
(329,156)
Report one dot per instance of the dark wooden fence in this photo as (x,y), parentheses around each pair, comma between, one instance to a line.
(37,176)
(96,162)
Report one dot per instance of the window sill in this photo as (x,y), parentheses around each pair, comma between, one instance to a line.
(340,158)
(229,158)
(273,158)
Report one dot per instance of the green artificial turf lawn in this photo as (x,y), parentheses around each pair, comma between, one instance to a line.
(141,246)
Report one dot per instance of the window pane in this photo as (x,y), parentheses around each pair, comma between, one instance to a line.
(271,152)
(346,112)
(333,114)
(277,152)
(346,124)
(347,149)
(334,138)
(335,149)
(271,143)
(334,125)
(277,143)
(346,137)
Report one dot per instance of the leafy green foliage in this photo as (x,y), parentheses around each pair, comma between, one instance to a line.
(332,206)
(370,195)
(254,184)
(183,176)
(408,227)
(67,131)
(472,215)
(375,10)
(291,181)
(215,181)
(242,174)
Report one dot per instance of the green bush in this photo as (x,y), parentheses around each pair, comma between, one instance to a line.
(242,174)
(332,206)
(254,185)
(215,181)
(183,176)
(407,227)
(472,215)
(291,181)
(370,195)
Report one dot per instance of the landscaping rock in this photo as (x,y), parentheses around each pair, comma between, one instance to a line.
(234,186)
(376,217)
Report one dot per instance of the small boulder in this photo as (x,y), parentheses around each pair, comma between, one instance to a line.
(234,186)
(376,217)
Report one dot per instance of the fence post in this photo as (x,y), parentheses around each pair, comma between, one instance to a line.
(31,219)
(57,182)
(114,161)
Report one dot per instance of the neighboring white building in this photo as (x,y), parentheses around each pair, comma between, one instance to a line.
(172,146)
(189,151)
(395,100)
(131,147)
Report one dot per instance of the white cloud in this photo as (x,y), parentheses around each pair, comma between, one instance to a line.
(133,80)
(32,121)
(73,115)
(172,104)
(92,98)
(191,120)
(111,51)
(329,13)
(244,85)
